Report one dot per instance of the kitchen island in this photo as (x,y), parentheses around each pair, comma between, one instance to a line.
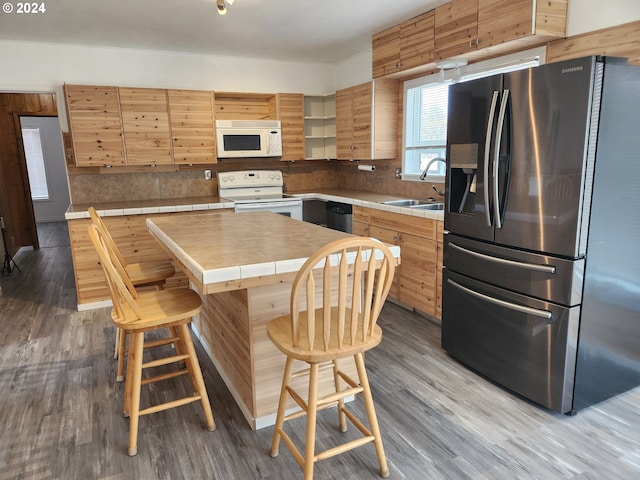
(243,266)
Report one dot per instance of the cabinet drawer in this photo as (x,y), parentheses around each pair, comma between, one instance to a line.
(425,227)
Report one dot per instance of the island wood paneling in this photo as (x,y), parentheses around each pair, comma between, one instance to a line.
(232,325)
(192,126)
(618,41)
(134,241)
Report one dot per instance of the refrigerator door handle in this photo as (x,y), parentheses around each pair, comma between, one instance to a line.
(487,154)
(529,266)
(496,157)
(512,306)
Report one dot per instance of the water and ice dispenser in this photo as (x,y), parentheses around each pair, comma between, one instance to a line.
(463,162)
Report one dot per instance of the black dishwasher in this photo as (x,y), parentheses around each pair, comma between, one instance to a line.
(339,216)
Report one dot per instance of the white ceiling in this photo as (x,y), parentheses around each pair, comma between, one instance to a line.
(324,31)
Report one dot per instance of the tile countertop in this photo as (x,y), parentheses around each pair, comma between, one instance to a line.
(363,198)
(219,247)
(141,207)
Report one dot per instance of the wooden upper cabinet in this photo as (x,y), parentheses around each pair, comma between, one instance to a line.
(385,51)
(362,127)
(344,123)
(367,121)
(404,46)
(145,124)
(192,126)
(94,121)
(291,116)
(417,41)
(456,28)
(501,21)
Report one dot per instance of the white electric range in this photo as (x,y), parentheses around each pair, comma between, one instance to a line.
(258,190)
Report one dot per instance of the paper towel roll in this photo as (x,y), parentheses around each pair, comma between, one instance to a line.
(368,168)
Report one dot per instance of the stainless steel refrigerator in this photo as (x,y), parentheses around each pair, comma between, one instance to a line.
(541,285)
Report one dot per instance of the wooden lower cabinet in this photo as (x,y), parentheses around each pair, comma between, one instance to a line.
(391,237)
(136,244)
(418,278)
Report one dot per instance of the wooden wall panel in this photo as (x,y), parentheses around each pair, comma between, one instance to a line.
(15,202)
(619,41)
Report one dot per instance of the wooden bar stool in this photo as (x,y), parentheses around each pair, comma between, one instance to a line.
(354,276)
(140,312)
(142,274)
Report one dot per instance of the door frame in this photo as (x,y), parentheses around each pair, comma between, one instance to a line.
(25,172)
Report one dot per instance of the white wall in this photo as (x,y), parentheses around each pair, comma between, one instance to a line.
(51,210)
(36,67)
(588,15)
(354,70)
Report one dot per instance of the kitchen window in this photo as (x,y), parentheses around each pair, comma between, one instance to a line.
(425,111)
(35,163)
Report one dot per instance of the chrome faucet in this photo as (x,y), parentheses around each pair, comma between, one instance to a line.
(423,175)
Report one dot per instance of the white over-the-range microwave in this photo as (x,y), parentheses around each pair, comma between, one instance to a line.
(248,138)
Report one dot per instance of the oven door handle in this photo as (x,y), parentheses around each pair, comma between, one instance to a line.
(512,306)
(261,206)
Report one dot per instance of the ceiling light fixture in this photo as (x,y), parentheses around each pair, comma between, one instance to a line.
(451,63)
(222,7)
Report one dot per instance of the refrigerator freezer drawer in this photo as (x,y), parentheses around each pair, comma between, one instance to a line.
(549,278)
(524,344)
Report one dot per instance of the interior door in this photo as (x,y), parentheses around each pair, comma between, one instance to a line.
(471,128)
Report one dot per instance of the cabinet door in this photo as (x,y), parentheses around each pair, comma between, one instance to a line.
(360,228)
(385,48)
(501,21)
(390,237)
(416,41)
(192,127)
(344,123)
(291,116)
(145,122)
(417,281)
(94,121)
(456,28)
(362,121)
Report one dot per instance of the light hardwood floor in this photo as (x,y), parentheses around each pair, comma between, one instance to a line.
(60,408)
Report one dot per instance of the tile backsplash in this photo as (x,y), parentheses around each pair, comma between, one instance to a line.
(96,188)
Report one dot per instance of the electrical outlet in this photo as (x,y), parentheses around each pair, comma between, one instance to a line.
(207,174)
(398,172)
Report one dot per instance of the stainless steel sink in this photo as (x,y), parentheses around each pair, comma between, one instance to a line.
(419,204)
(407,202)
(429,206)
